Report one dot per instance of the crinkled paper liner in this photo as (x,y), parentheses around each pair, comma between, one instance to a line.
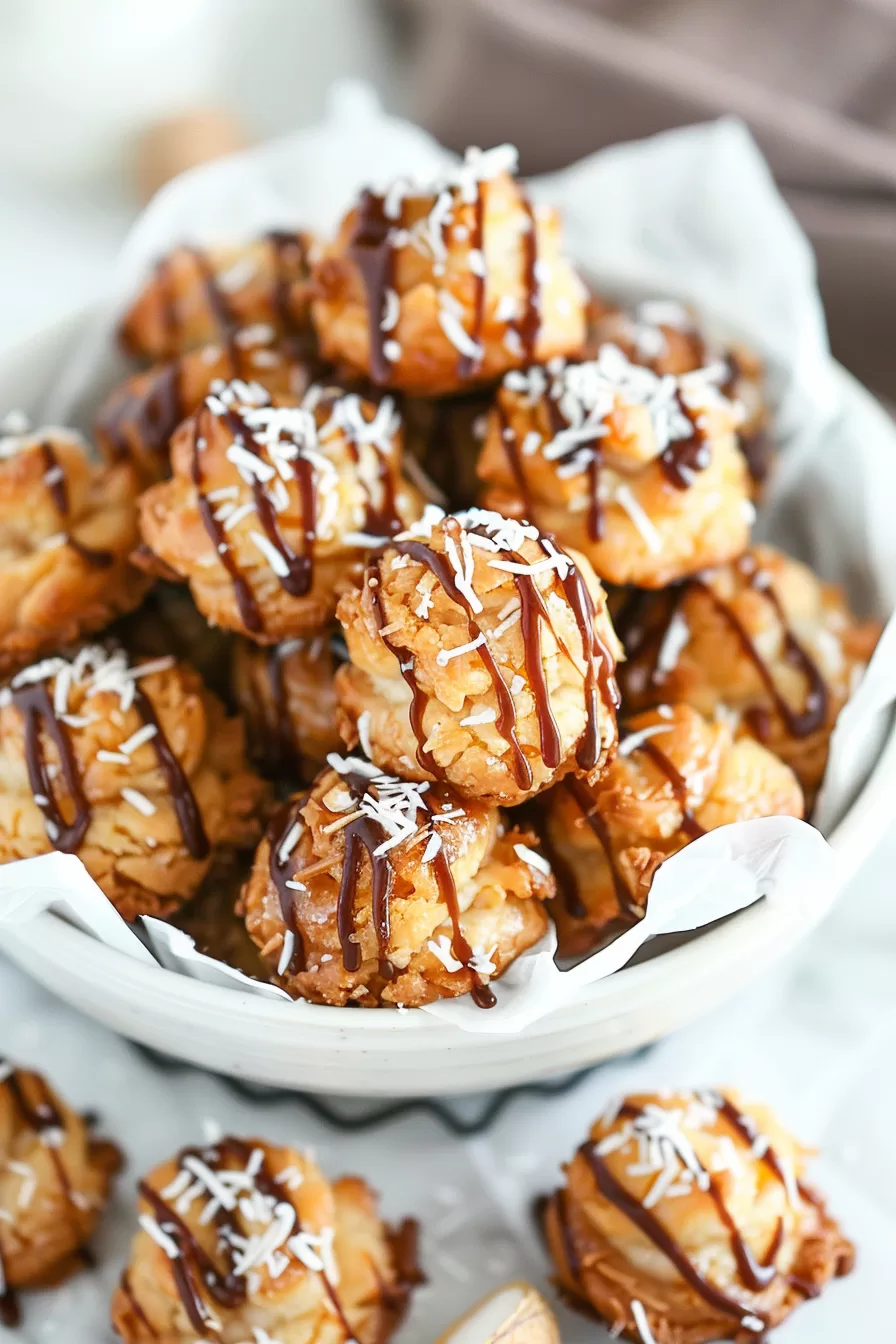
(691,213)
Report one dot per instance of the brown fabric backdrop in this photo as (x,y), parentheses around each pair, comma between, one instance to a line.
(814,79)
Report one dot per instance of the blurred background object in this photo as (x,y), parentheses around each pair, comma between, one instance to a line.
(101,100)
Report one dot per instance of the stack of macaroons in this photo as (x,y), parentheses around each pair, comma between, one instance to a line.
(296,399)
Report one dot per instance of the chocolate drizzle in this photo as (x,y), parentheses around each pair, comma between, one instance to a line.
(683,458)
(629,911)
(153,413)
(195,1271)
(55,478)
(599,679)
(34,702)
(372,252)
(55,481)
(529,323)
(185,806)
(654,1230)
(645,640)
(250,613)
(280,869)
(689,823)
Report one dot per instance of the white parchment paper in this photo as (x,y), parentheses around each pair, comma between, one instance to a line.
(692,213)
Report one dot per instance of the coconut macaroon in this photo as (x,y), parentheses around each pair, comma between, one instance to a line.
(245,1240)
(200,295)
(272,506)
(133,766)
(378,892)
(67,529)
(640,473)
(138,419)
(481,653)
(761,641)
(433,288)
(54,1183)
(675,777)
(669,338)
(287,696)
(685,1219)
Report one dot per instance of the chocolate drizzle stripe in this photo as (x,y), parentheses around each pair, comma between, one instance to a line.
(529,323)
(188,815)
(280,870)
(799,723)
(372,252)
(245,599)
(655,1232)
(683,459)
(440,567)
(579,792)
(34,703)
(689,823)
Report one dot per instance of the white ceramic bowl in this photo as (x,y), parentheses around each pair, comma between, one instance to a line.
(339,1050)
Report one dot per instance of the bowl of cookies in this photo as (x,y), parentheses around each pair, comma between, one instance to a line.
(415,627)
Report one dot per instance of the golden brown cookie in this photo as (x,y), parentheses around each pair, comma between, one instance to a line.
(54,1183)
(761,641)
(375,891)
(202,295)
(675,777)
(685,1219)
(272,506)
(244,1240)
(133,766)
(434,288)
(482,654)
(640,473)
(67,529)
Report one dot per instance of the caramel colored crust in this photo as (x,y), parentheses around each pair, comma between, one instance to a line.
(605,1263)
(688,777)
(766,597)
(360,1294)
(352,481)
(138,419)
(141,856)
(54,1182)
(499,896)
(67,529)
(197,297)
(429,363)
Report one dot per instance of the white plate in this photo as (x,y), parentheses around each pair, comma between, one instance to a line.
(370,1053)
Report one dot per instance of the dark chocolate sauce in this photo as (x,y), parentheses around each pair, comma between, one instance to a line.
(529,323)
(482,996)
(654,1230)
(600,679)
(372,252)
(152,415)
(245,599)
(799,723)
(185,806)
(57,483)
(35,704)
(58,489)
(629,911)
(281,870)
(405,660)
(289,251)
(363,833)
(684,458)
(689,823)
